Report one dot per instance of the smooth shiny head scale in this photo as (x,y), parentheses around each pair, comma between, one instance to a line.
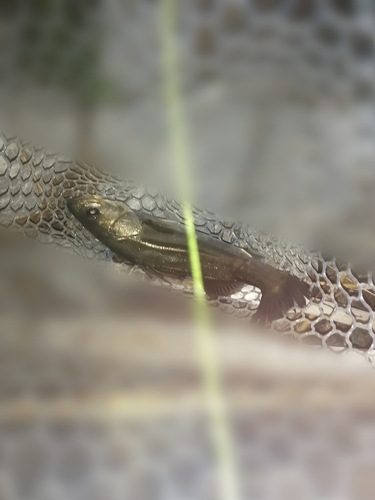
(104,218)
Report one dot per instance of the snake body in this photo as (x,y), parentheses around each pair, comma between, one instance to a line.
(35,185)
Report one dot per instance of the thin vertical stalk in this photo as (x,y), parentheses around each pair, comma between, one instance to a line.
(205,341)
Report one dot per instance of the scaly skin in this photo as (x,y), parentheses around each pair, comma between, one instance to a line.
(35,185)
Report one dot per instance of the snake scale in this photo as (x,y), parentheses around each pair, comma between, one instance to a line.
(35,185)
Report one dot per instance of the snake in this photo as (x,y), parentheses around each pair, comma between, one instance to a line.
(36,185)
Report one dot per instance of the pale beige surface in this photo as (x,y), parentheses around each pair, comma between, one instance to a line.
(99,391)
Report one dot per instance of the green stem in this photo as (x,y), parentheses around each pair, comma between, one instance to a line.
(205,341)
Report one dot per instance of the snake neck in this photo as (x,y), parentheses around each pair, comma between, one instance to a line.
(35,185)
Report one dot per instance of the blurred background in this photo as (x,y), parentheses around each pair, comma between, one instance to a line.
(100,393)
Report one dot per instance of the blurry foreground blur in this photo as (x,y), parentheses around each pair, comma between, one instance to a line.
(99,379)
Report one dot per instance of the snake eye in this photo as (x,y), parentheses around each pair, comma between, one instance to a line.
(92,212)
